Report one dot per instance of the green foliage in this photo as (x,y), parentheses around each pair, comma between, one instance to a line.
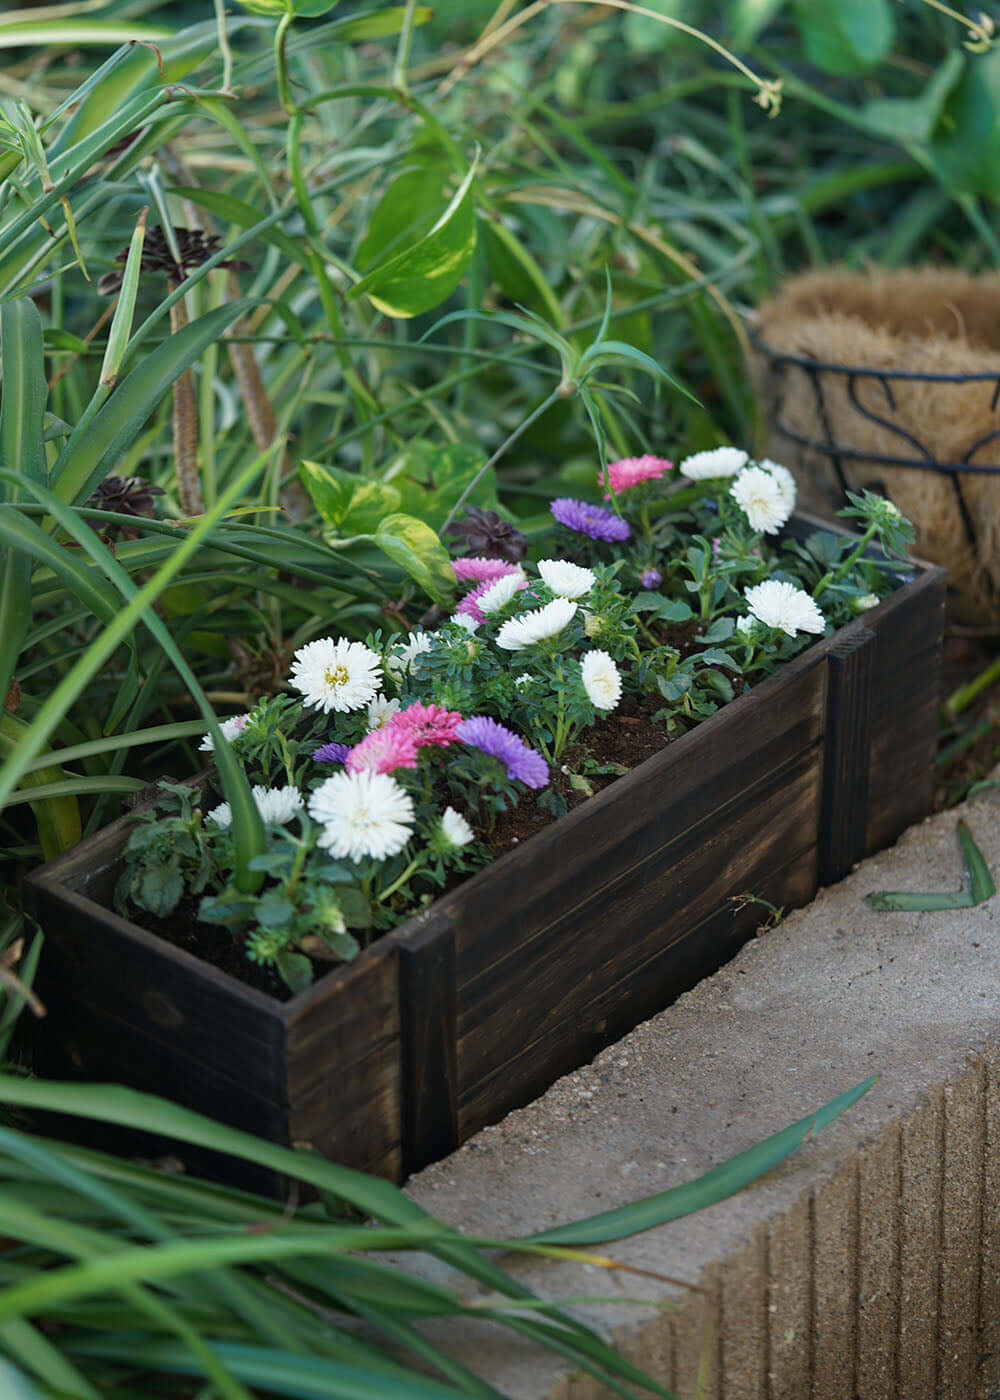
(852,36)
(124,1279)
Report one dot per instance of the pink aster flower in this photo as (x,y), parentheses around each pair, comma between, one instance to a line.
(427,724)
(631,470)
(383,751)
(470,603)
(479,570)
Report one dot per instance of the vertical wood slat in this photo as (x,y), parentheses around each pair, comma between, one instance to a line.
(844,806)
(428,1030)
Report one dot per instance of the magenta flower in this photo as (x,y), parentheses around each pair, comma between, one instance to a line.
(595,521)
(523,763)
(470,603)
(331,753)
(631,470)
(479,570)
(427,724)
(383,751)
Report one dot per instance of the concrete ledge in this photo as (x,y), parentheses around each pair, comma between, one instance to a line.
(868,1265)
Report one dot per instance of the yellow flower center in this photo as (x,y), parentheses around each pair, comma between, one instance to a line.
(336,676)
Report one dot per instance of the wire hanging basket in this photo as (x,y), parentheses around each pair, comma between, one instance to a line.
(854,396)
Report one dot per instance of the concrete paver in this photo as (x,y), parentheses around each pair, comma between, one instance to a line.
(867,1265)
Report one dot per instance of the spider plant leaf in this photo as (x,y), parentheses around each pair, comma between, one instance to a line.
(714,1185)
(23,395)
(909,901)
(982,885)
(91,454)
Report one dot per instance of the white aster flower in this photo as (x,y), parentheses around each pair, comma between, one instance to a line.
(786,482)
(277,805)
(565,579)
(500,593)
(761,499)
(783,606)
(747,625)
(457,831)
(464,620)
(403,654)
(525,678)
(362,814)
(231,729)
(601,680)
(336,675)
(719,461)
(380,711)
(536,626)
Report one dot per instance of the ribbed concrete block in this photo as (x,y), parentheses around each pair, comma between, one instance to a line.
(866,1267)
(878,1266)
(790,1303)
(989,1289)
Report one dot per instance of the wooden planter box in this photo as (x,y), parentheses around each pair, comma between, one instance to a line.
(560,947)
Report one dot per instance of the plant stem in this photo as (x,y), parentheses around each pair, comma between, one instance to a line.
(399,81)
(557,394)
(281,64)
(835,575)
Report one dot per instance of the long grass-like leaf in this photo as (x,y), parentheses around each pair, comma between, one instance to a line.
(714,1185)
(92,453)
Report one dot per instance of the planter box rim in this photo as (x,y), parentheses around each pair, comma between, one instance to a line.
(48,876)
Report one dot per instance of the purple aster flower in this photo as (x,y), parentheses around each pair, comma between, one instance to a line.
(523,764)
(595,521)
(331,753)
(650,578)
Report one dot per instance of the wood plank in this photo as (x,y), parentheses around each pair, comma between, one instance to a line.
(844,805)
(343,1020)
(79,1045)
(429,1055)
(188,1008)
(616,1008)
(353,1120)
(656,898)
(672,799)
(342,1063)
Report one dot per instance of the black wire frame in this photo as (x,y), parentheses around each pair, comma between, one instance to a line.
(780,361)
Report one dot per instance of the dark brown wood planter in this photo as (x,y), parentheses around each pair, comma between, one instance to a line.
(558,948)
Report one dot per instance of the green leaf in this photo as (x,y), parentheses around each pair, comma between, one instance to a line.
(715,1185)
(91,454)
(295,969)
(913,119)
(431,478)
(160,889)
(848,37)
(349,504)
(423,275)
(517,273)
(965,150)
(274,910)
(644,34)
(982,886)
(417,549)
(408,210)
(23,394)
(378,24)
